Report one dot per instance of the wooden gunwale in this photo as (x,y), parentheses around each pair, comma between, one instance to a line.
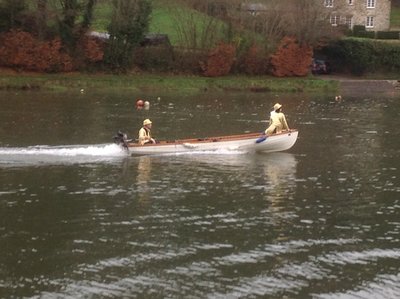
(207,139)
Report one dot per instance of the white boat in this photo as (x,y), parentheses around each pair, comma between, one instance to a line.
(251,142)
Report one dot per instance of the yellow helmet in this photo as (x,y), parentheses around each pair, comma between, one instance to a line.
(147,122)
(277,106)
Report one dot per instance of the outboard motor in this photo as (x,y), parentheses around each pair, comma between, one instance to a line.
(121,139)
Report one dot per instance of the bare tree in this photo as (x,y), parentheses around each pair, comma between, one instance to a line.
(308,21)
(265,18)
(41,18)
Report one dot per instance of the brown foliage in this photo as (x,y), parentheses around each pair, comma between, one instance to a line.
(291,58)
(21,50)
(254,61)
(93,49)
(220,60)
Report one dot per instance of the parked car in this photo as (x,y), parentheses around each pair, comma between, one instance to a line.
(319,66)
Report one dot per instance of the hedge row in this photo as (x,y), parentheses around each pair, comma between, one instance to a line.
(387,35)
(360,31)
(362,56)
(23,51)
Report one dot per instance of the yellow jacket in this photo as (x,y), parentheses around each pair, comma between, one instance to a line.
(144,135)
(277,123)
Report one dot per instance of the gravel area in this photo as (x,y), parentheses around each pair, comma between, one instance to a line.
(353,86)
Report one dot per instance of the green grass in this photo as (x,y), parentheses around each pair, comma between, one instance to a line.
(395,18)
(185,84)
(165,15)
(102,16)
(163,20)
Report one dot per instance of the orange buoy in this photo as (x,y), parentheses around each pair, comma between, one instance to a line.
(139,103)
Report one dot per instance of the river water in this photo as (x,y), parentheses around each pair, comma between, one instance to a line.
(80,219)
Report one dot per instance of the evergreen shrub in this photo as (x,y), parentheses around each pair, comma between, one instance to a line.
(388,34)
(362,56)
(154,58)
(360,31)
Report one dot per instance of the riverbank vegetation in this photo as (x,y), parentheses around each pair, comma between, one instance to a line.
(162,83)
(209,38)
(204,38)
(364,56)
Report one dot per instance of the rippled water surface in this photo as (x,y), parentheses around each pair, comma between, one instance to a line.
(80,219)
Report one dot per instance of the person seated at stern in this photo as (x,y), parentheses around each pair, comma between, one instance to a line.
(277,121)
(145,133)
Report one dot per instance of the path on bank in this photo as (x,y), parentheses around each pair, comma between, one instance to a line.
(353,87)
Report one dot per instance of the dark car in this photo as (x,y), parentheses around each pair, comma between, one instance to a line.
(319,66)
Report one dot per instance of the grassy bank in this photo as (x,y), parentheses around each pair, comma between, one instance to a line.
(164,19)
(395,18)
(187,84)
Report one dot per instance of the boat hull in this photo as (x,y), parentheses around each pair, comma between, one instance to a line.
(251,142)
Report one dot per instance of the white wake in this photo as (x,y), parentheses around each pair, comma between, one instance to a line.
(60,154)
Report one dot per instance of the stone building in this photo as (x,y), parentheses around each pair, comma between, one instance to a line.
(373,14)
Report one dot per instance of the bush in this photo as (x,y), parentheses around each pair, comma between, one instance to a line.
(360,31)
(220,60)
(389,57)
(361,56)
(291,59)
(254,61)
(388,34)
(154,58)
(22,51)
(188,61)
(368,34)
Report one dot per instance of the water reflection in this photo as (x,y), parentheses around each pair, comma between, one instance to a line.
(273,171)
(280,171)
(143,178)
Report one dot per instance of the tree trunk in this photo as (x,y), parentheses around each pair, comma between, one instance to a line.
(41,18)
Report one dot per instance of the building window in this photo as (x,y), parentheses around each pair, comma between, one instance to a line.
(370,3)
(351,2)
(329,3)
(349,22)
(335,20)
(370,22)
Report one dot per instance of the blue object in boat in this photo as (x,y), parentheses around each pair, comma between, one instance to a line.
(261,139)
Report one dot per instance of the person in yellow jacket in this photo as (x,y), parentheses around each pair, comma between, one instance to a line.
(277,121)
(145,133)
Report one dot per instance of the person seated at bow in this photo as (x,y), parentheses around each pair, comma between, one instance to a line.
(277,121)
(145,133)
